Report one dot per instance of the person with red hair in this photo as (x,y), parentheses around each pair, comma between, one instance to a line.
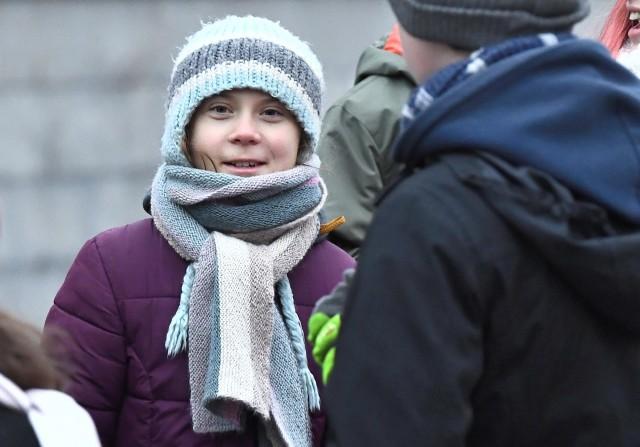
(621,33)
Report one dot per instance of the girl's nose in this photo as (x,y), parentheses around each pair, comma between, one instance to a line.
(245,132)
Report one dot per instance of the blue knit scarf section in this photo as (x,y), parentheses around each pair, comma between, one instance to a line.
(232,204)
(452,75)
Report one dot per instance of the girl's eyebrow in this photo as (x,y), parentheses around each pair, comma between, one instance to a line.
(217,98)
(272,101)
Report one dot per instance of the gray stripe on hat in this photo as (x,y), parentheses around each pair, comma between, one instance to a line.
(248,50)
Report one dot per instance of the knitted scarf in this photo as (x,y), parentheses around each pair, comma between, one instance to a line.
(452,75)
(245,347)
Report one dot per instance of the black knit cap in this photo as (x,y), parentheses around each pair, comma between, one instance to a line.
(471,24)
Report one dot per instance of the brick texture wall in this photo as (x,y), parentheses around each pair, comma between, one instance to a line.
(82,90)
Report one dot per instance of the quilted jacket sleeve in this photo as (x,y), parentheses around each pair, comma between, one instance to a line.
(85,308)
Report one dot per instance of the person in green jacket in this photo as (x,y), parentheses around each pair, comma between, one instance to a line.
(358,131)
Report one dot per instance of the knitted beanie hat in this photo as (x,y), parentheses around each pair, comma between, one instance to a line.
(243,52)
(471,24)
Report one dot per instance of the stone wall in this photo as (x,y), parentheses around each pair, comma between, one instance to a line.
(82,89)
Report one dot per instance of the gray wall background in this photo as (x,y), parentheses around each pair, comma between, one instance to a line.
(82,90)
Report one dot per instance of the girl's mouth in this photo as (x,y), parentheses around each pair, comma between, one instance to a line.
(243,167)
(243,164)
(634,31)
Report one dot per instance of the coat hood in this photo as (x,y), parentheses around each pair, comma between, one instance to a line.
(597,256)
(569,110)
(557,132)
(376,61)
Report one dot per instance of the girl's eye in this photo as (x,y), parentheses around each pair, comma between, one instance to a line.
(219,109)
(272,113)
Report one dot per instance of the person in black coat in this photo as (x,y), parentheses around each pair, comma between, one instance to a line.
(496,298)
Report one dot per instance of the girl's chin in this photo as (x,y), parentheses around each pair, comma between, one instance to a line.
(244,172)
(633,36)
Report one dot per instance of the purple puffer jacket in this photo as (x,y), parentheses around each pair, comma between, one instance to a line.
(117,301)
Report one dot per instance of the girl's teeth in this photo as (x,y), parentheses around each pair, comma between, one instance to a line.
(634,15)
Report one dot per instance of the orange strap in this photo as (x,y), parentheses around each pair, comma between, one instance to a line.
(393,43)
(332,225)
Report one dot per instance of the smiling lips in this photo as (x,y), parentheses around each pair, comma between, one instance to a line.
(244,164)
(634,31)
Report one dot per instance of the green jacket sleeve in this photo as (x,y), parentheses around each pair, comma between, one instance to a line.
(355,170)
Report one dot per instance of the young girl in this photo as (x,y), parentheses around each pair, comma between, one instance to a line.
(186,326)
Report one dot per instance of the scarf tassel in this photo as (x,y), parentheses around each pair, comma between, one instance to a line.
(294,327)
(311,388)
(176,340)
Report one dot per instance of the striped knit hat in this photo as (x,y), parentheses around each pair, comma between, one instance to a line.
(243,52)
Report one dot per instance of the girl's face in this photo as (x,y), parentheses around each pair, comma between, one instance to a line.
(243,132)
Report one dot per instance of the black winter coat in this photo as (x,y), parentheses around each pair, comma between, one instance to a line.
(499,312)
(497,296)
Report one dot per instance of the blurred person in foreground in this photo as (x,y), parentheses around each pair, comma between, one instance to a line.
(189,324)
(357,133)
(621,33)
(496,297)
(33,410)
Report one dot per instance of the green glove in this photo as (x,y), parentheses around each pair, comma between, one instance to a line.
(323,333)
